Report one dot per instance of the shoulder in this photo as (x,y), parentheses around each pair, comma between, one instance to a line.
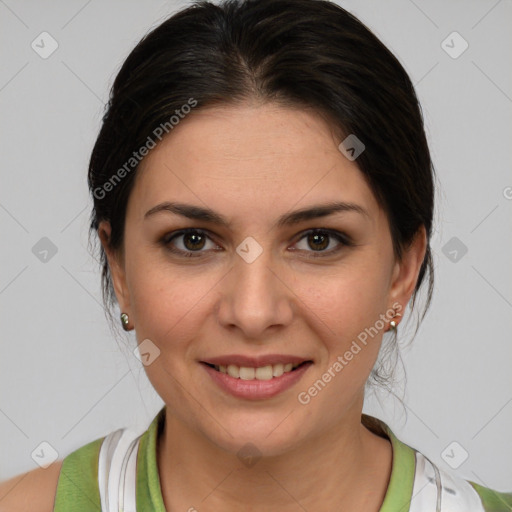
(457,493)
(65,483)
(492,500)
(34,490)
(77,488)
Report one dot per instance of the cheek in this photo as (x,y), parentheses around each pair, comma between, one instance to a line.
(164,300)
(348,300)
(168,309)
(344,311)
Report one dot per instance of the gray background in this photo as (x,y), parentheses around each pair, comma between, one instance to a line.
(63,377)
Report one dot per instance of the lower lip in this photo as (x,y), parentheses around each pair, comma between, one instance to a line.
(256,389)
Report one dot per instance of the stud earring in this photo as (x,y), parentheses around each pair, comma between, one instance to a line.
(394,325)
(124,321)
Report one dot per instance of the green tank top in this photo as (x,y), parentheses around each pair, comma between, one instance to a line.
(416,485)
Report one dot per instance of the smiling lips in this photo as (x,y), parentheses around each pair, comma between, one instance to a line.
(256,378)
(256,368)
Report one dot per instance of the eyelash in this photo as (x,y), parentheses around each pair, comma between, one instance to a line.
(340,237)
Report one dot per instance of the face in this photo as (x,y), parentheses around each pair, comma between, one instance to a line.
(265,287)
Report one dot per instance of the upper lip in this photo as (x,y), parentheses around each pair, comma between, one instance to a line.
(255,362)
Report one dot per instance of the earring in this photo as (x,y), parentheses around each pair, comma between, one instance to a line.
(124,321)
(394,325)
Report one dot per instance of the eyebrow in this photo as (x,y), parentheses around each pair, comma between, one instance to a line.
(289,219)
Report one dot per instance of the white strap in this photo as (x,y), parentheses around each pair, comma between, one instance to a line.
(436,489)
(117,476)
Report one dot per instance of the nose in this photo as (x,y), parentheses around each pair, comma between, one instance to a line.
(255,297)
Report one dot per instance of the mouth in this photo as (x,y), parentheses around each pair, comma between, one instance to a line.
(256,378)
(267,372)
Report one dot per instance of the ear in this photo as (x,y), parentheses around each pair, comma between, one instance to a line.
(116,267)
(405,272)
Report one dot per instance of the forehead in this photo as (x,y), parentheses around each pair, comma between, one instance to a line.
(250,160)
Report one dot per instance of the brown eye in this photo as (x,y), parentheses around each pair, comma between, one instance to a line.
(193,241)
(187,242)
(317,240)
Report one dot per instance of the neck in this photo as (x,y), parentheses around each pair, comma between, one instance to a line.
(347,466)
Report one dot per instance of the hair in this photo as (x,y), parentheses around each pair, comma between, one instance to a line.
(306,54)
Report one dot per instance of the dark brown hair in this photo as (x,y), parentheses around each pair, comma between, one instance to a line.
(299,53)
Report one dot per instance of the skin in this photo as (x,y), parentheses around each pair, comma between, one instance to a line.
(252,164)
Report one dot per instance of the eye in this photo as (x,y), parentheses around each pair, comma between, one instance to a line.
(192,241)
(320,239)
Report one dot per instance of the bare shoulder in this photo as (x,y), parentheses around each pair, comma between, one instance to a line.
(33,490)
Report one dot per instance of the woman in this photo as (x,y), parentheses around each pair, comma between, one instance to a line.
(263,192)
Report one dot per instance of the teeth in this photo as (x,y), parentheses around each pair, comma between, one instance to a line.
(262,373)
(247,373)
(277,370)
(233,371)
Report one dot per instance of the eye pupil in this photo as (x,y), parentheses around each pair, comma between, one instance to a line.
(316,237)
(194,236)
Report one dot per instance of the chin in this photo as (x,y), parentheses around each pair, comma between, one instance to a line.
(268,437)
